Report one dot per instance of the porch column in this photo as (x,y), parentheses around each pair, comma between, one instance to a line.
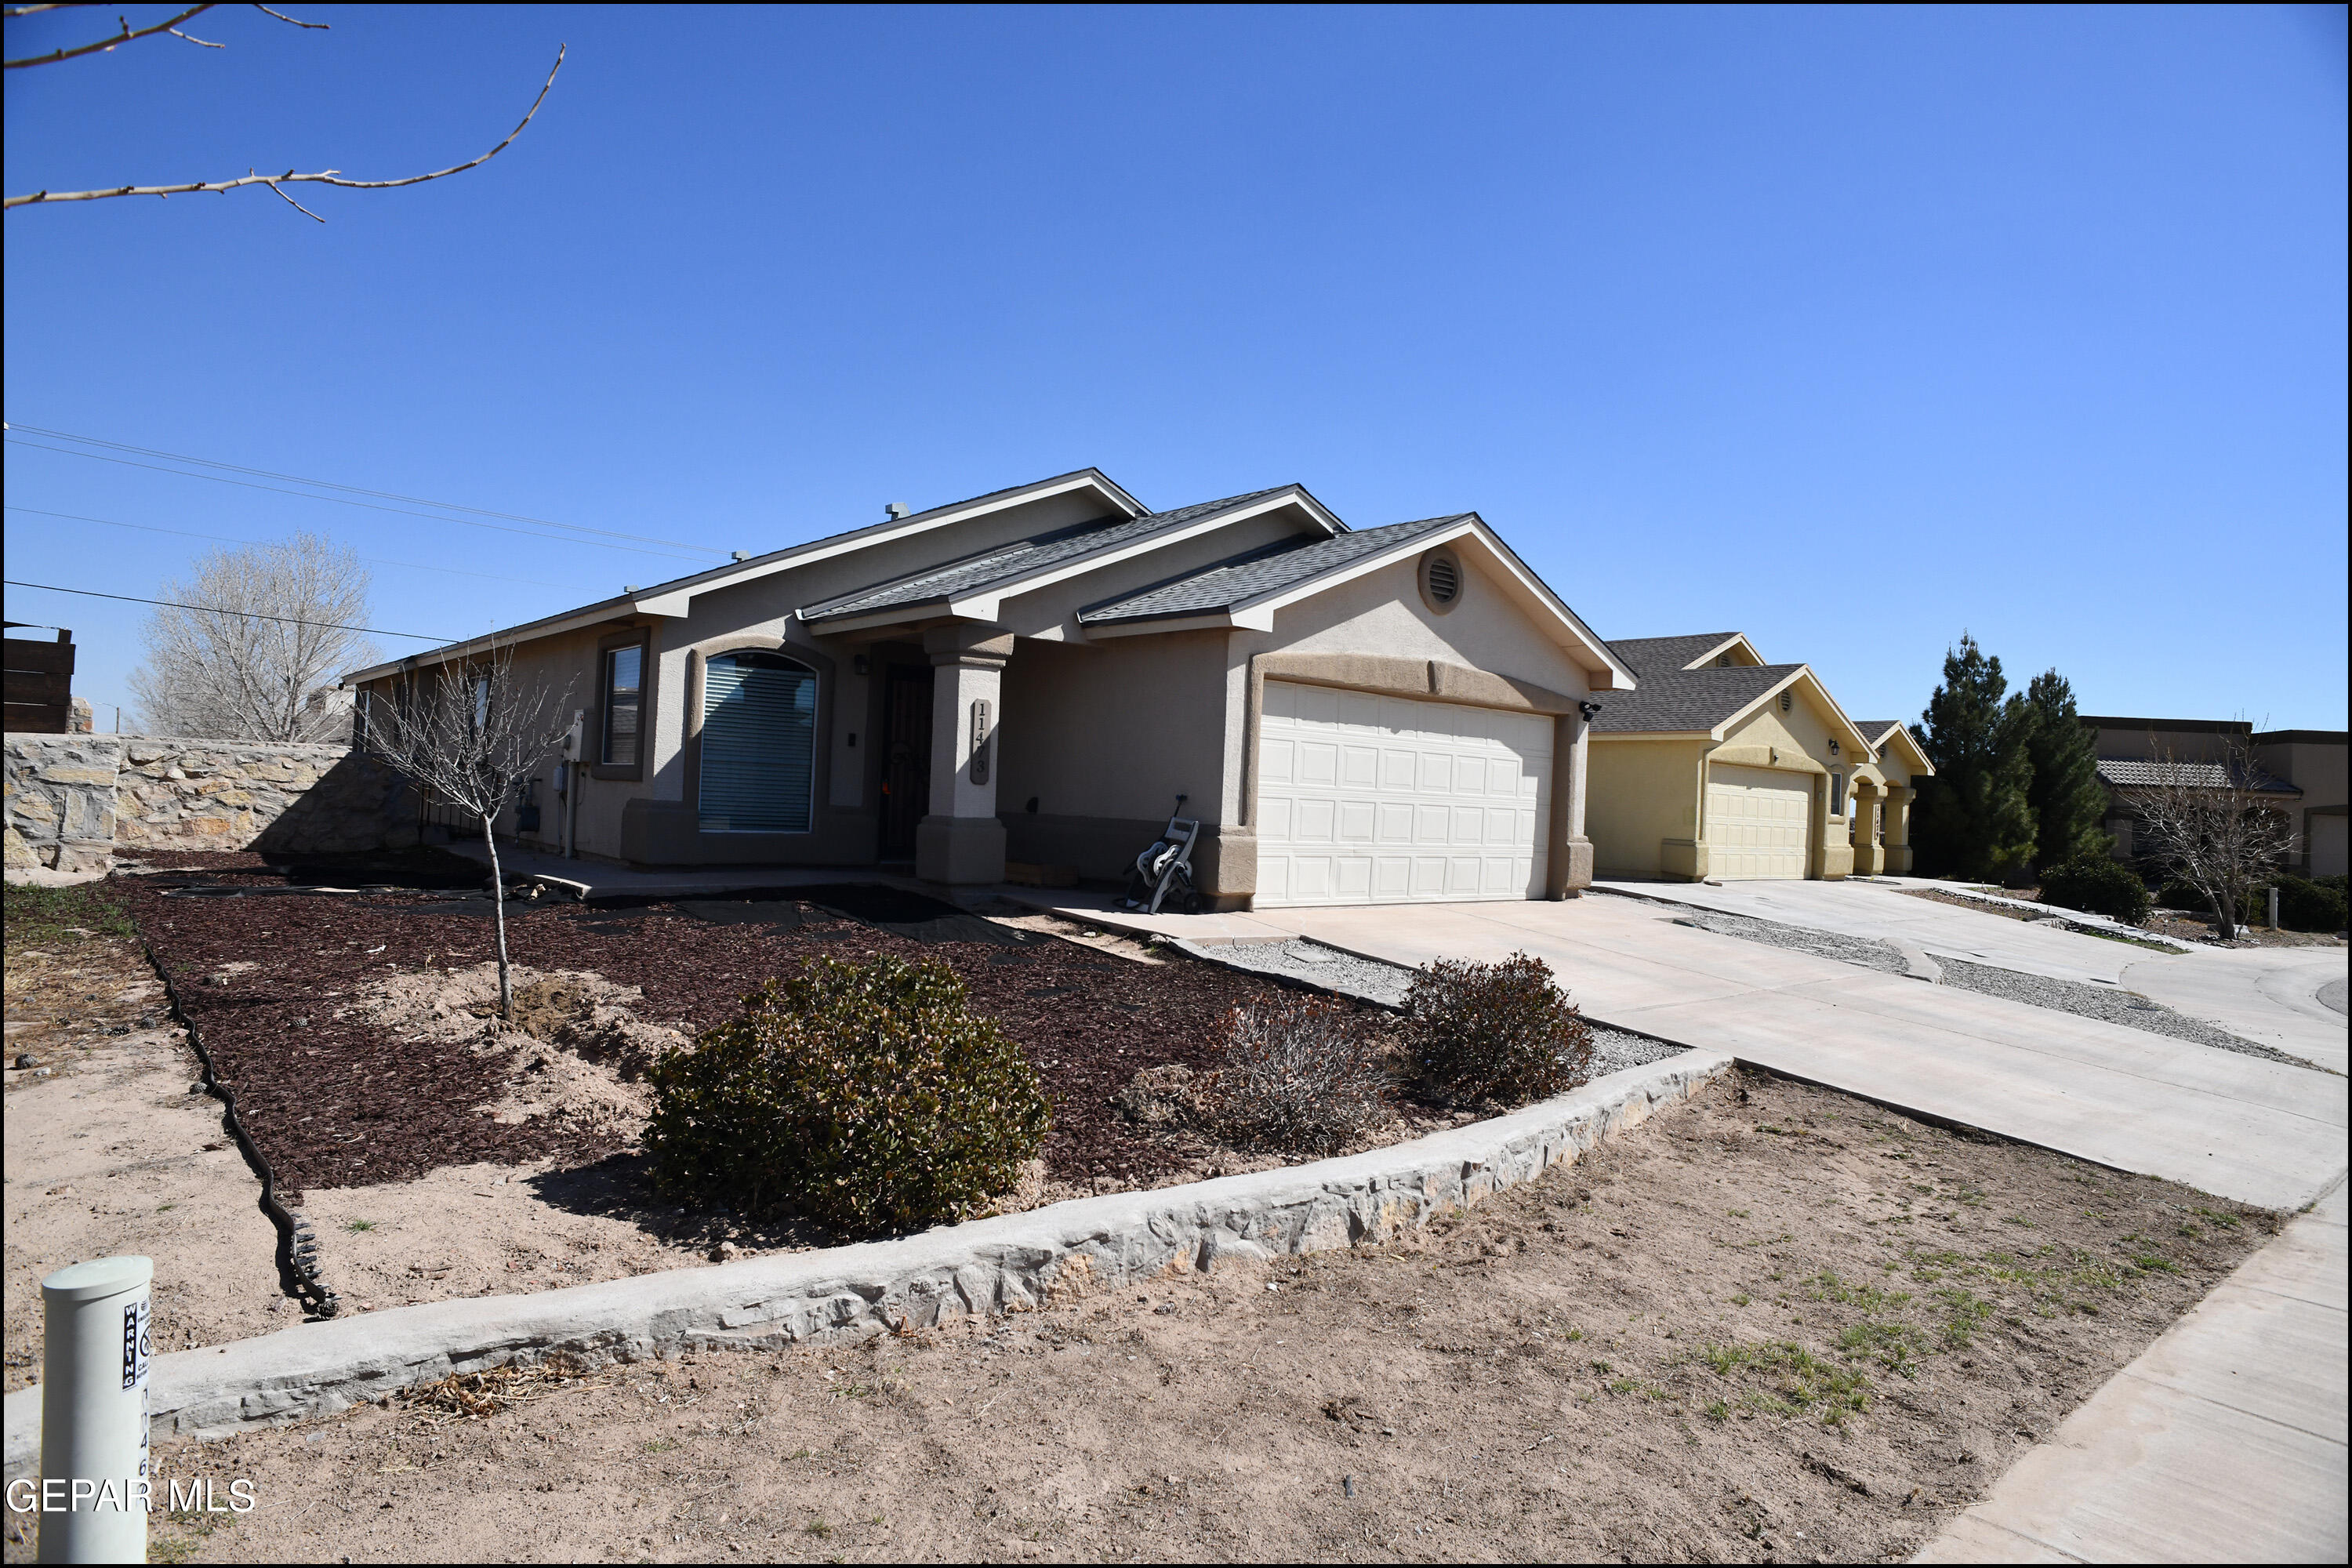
(1869,858)
(1567,867)
(1898,830)
(961,841)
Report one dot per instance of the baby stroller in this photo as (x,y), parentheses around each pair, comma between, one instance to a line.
(1161,876)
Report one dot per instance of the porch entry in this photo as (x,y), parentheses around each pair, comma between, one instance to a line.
(1371,799)
(906,757)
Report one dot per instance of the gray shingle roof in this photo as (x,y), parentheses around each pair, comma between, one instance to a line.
(1022,558)
(2129,771)
(1662,656)
(1686,700)
(1874,728)
(1244,578)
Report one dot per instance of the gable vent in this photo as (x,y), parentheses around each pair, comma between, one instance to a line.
(1444,580)
(1787,701)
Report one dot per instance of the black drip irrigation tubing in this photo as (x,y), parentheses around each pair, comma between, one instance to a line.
(298,1247)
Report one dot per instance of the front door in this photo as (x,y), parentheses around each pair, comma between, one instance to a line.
(906,757)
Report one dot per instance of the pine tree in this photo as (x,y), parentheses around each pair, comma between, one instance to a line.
(2066,797)
(1974,819)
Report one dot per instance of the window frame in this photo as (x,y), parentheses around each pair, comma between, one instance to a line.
(816,672)
(641,639)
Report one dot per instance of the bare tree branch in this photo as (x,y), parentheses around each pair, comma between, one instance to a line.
(2210,823)
(279,626)
(126,36)
(324,177)
(470,734)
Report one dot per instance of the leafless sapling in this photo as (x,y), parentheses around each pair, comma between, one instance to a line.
(2210,823)
(469,734)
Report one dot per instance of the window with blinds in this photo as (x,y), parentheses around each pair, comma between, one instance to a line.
(759,743)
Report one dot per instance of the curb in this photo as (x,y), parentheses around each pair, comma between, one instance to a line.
(1012,1263)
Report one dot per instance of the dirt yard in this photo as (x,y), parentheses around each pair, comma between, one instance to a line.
(1779,1323)
(107,1152)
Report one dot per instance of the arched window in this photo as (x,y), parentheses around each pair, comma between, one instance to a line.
(759,743)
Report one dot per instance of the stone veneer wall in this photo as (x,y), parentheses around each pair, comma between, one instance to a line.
(73,799)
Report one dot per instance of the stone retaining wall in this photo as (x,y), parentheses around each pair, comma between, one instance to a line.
(73,799)
(983,1268)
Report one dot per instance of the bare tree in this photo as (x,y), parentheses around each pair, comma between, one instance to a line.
(470,735)
(281,622)
(127,34)
(2210,823)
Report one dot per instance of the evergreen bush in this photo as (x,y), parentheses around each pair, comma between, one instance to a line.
(2099,885)
(1502,1032)
(2311,906)
(1301,1077)
(869,1096)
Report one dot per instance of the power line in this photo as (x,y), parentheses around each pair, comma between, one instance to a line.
(273,544)
(341,501)
(268,544)
(212,610)
(356,489)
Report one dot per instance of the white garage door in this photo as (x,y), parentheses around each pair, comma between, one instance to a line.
(1372,800)
(1756,823)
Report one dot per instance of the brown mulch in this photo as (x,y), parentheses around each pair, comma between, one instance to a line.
(336,1101)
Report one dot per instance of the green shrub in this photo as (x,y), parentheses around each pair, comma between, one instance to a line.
(2185,896)
(869,1096)
(2099,885)
(1302,1076)
(2310,906)
(1501,1032)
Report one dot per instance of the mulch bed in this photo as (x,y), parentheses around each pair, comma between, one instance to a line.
(337,1101)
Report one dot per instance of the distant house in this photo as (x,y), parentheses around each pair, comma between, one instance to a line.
(1031,677)
(1720,766)
(2303,770)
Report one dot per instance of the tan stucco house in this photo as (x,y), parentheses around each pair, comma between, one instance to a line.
(1356,715)
(2301,770)
(1720,766)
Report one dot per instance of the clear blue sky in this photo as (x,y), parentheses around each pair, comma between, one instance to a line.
(1847,329)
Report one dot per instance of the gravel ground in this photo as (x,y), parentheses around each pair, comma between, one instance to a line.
(2127,1008)
(1858,949)
(1613,1050)
(2124,1008)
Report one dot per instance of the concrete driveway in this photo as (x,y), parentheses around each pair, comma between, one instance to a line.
(1876,910)
(2268,994)
(2249,1129)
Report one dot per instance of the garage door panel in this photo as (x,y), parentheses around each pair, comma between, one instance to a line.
(1757,820)
(1365,798)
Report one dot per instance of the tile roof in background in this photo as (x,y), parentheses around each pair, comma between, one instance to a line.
(1686,700)
(1663,656)
(1022,558)
(1252,577)
(2129,771)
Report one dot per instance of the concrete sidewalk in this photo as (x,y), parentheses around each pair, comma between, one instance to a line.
(2223,1442)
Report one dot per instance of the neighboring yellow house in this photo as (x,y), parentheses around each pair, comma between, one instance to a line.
(1882,792)
(1721,767)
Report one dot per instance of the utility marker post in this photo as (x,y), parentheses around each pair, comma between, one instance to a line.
(94,1472)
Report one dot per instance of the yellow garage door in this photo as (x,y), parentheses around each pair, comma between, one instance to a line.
(1756,823)
(1377,800)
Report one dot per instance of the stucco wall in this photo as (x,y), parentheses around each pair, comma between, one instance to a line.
(1641,793)
(73,799)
